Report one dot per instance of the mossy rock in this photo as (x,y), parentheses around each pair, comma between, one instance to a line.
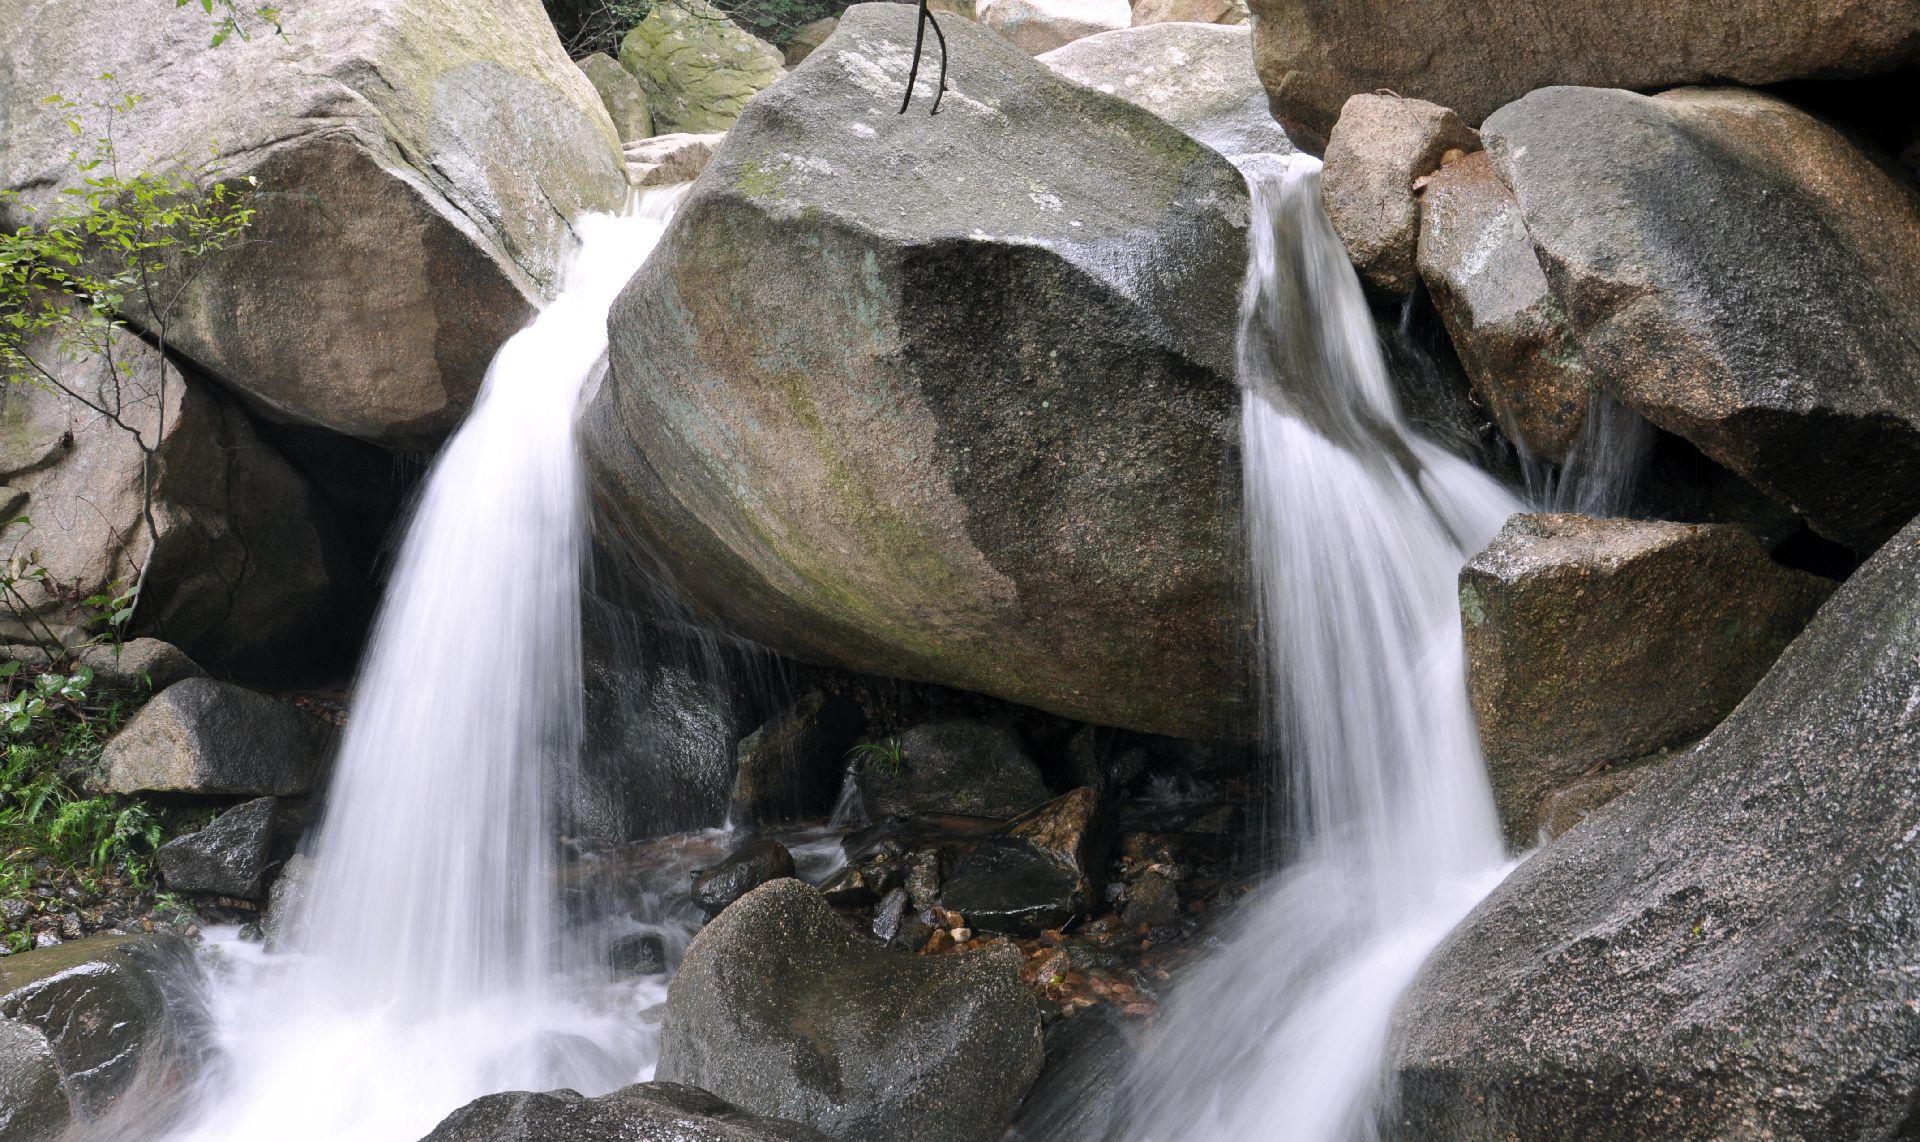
(697,67)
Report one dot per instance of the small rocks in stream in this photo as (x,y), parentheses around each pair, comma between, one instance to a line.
(923,878)
(213,738)
(229,857)
(643,1112)
(1154,901)
(745,869)
(781,1009)
(971,768)
(889,915)
(666,159)
(1045,870)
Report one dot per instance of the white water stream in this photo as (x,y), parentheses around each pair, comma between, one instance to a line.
(426,967)
(1357,529)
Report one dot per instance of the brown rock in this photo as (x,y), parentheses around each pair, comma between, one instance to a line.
(1380,147)
(1573,803)
(1479,264)
(1474,56)
(1595,640)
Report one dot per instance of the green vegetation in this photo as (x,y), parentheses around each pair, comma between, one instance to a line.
(885,754)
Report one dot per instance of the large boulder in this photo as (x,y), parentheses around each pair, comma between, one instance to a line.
(1378,151)
(1039,26)
(418,165)
(1474,57)
(697,67)
(1512,338)
(781,1009)
(1726,951)
(1601,640)
(215,739)
(228,857)
(643,1112)
(974,769)
(82,1021)
(245,569)
(1741,275)
(1199,77)
(1000,455)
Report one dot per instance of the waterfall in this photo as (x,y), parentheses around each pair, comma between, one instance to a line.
(426,965)
(1603,469)
(1357,529)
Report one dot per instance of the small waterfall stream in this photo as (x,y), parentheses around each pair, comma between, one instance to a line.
(1357,529)
(425,967)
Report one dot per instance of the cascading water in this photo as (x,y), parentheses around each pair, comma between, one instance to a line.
(426,965)
(1357,529)
(1602,470)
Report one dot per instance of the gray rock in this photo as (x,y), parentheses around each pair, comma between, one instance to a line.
(1039,26)
(780,1009)
(643,1112)
(808,37)
(1474,57)
(970,768)
(215,739)
(744,869)
(285,899)
(400,146)
(107,1011)
(140,665)
(791,766)
(1042,872)
(244,571)
(885,510)
(33,1107)
(643,953)
(1081,1094)
(1378,150)
(626,103)
(697,67)
(1190,11)
(1721,953)
(1738,273)
(229,857)
(666,159)
(1512,337)
(1602,640)
(1199,77)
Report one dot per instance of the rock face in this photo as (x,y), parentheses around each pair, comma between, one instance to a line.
(1189,11)
(1038,26)
(780,1009)
(697,67)
(1739,274)
(246,571)
(79,1022)
(212,738)
(626,103)
(1722,952)
(138,665)
(1512,336)
(666,159)
(1314,54)
(1198,77)
(808,37)
(1040,874)
(744,869)
(970,768)
(791,766)
(1601,640)
(894,516)
(401,146)
(643,1112)
(228,857)
(1380,146)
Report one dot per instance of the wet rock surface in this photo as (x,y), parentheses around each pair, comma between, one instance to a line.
(33,1105)
(1043,872)
(1721,952)
(968,768)
(230,857)
(781,1009)
(790,766)
(1592,641)
(1741,275)
(1378,150)
(894,520)
(644,1112)
(745,869)
(1199,77)
(213,738)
